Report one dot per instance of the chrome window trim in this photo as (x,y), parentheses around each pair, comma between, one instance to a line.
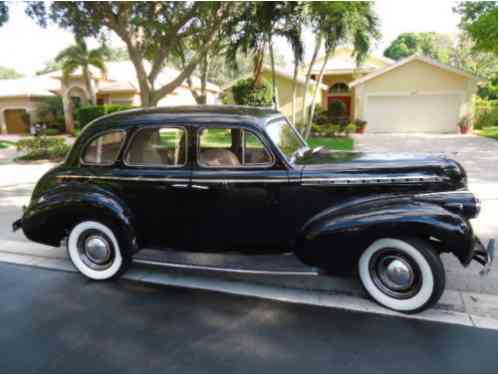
(251,166)
(103,133)
(289,161)
(161,166)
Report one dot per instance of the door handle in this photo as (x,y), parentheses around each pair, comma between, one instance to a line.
(200,187)
(180,186)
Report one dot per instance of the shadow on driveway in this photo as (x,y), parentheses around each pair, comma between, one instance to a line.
(59,322)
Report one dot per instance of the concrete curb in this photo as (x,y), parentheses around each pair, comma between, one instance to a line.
(468,309)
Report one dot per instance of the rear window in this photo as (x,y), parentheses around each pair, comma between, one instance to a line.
(104,149)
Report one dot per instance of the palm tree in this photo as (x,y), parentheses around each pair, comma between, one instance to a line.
(337,23)
(256,26)
(79,56)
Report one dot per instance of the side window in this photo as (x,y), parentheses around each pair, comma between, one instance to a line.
(227,147)
(104,149)
(164,147)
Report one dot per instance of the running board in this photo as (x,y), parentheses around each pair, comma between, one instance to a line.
(283,265)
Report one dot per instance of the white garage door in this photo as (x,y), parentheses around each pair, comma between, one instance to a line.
(413,114)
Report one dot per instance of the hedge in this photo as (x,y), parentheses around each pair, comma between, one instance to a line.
(87,114)
(245,92)
(486,114)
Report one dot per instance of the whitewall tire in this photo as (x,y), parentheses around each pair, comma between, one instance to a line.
(94,250)
(405,275)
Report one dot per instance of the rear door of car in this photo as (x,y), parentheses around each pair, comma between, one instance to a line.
(155,179)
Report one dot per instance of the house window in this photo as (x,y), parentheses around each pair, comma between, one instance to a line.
(339,87)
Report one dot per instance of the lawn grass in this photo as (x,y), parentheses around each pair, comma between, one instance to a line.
(490,132)
(5,144)
(335,143)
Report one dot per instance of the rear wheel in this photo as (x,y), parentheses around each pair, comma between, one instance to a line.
(94,250)
(405,275)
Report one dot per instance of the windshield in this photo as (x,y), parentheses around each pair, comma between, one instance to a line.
(286,138)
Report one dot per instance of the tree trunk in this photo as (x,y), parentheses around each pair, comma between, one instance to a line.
(68,112)
(308,77)
(204,78)
(315,92)
(273,79)
(294,90)
(89,86)
(258,66)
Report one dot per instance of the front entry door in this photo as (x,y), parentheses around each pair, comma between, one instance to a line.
(236,186)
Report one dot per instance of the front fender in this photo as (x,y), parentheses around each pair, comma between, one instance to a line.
(50,216)
(339,235)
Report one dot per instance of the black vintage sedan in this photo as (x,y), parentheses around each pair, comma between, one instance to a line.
(239,183)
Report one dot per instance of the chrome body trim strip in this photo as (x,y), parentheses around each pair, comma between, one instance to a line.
(305,182)
(311,272)
(370,180)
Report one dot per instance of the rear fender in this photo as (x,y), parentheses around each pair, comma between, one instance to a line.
(51,216)
(339,235)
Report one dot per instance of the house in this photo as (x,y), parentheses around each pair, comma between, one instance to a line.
(284,88)
(414,95)
(21,98)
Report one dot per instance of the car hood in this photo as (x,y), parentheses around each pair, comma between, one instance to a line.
(340,164)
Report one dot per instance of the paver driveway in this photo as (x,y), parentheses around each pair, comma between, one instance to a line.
(479,156)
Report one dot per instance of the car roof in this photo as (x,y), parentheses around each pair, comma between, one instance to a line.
(206,115)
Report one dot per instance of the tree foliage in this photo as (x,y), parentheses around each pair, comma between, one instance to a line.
(254,27)
(339,23)
(9,73)
(480,20)
(4,12)
(246,92)
(150,31)
(79,56)
(431,44)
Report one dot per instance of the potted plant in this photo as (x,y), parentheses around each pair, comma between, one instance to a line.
(361,126)
(464,124)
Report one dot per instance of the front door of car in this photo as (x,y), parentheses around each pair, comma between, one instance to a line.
(156,174)
(236,186)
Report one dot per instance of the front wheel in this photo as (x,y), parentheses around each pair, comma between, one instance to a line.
(94,250)
(404,275)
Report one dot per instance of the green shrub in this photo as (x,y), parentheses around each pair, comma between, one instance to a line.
(246,93)
(349,129)
(39,148)
(321,116)
(52,131)
(486,114)
(87,114)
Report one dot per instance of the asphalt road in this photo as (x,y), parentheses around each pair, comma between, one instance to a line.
(53,321)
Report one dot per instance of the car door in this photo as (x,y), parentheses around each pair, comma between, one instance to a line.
(155,174)
(236,183)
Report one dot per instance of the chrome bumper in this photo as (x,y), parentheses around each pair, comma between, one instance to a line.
(16,225)
(485,255)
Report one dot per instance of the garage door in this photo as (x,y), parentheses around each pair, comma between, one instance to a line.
(15,120)
(413,114)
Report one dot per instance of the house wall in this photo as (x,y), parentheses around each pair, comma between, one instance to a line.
(421,78)
(284,93)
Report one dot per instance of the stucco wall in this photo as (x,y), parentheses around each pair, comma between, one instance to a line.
(30,105)
(284,92)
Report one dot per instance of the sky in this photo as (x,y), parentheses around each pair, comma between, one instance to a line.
(26,46)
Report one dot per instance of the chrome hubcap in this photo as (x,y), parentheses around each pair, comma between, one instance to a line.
(97,249)
(395,274)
